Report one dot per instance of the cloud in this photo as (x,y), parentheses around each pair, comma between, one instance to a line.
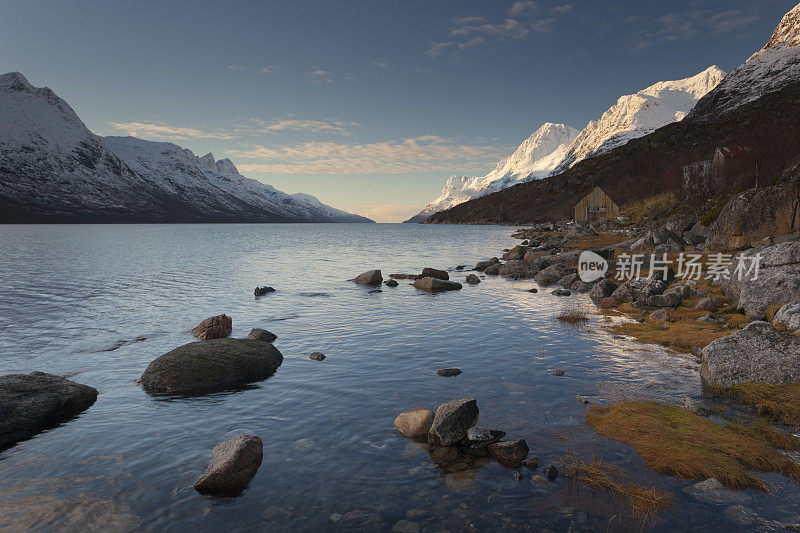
(319,75)
(255,126)
(411,155)
(523,20)
(160,130)
(236,67)
(269,69)
(385,212)
(381,64)
(674,27)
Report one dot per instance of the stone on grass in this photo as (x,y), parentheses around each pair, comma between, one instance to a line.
(235,463)
(659,315)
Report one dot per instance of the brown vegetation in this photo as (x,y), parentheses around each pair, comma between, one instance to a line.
(679,442)
(778,402)
(573,315)
(644,501)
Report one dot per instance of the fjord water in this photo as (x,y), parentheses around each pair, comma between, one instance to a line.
(99,302)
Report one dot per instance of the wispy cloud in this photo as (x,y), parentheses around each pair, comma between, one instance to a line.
(385,212)
(160,130)
(523,20)
(418,154)
(256,126)
(674,27)
(236,68)
(318,76)
(381,64)
(269,69)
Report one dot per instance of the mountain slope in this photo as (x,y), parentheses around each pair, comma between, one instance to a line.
(535,158)
(770,69)
(53,169)
(638,114)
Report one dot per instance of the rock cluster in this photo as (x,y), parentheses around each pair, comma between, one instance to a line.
(215,327)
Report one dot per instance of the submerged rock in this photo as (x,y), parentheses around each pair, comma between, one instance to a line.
(448,372)
(262,335)
(434,273)
(511,452)
(261,291)
(492,270)
(472,279)
(317,356)
(370,277)
(403,276)
(210,366)
(482,437)
(532,463)
(390,283)
(215,327)
(561,292)
(452,421)
(483,265)
(235,463)
(31,403)
(552,472)
(712,491)
(415,423)
(436,285)
(759,353)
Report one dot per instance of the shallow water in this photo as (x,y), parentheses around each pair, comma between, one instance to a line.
(100,302)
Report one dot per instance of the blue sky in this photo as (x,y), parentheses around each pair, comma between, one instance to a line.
(369,105)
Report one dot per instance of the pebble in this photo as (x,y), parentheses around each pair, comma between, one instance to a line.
(531,462)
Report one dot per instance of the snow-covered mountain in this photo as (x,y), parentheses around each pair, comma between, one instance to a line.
(535,158)
(636,115)
(52,168)
(770,69)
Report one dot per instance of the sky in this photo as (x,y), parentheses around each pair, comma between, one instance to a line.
(369,105)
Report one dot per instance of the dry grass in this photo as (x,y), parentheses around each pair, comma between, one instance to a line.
(573,315)
(679,442)
(777,402)
(638,210)
(644,501)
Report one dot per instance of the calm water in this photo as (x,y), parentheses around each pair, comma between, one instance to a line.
(100,302)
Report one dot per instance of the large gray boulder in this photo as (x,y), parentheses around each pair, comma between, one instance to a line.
(370,277)
(435,273)
(518,269)
(235,463)
(754,215)
(452,421)
(778,280)
(758,353)
(31,403)
(602,289)
(436,285)
(789,316)
(517,252)
(636,290)
(210,366)
(552,274)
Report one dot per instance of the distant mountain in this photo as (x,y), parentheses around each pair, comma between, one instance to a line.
(554,148)
(53,169)
(754,106)
(535,158)
(636,115)
(770,69)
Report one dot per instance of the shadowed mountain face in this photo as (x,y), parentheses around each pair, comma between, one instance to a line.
(53,169)
(753,106)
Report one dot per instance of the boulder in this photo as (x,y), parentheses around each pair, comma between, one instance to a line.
(608,303)
(482,437)
(404,276)
(561,292)
(659,315)
(636,290)
(668,299)
(390,283)
(511,452)
(552,274)
(235,463)
(483,265)
(789,316)
(759,353)
(317,356)
(517,252)
(32,403)
(436,285)
(210,366)
(215,327)
(493,269)
(568,280)
(262,335)
(755,214)
(452,421)
(777,283)
(434,273)
(449,372)
(261,291)
(415,423)
(602,289)
(581,286)
(472,279)
(706,304)
(370,277)
(517,269)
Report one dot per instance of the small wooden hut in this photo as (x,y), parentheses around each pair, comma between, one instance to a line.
(595,206)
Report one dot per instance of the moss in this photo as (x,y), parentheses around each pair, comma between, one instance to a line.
(644,501)
(638,210)
(679,442)
(778,402)
(712,214)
